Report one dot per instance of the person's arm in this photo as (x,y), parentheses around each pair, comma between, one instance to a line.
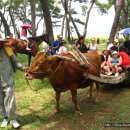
(109,61)
(120,61)
(17,64)
(96,47)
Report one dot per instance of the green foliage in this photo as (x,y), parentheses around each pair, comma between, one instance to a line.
(103,8)
(125,15)
(84,9)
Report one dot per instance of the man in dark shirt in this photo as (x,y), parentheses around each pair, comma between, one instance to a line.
(81,44)
(55,44)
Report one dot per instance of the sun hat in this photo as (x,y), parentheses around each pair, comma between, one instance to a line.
(114,52)
(3,40)
(60,36)
(105,50)
(93,39)
(116,40)
(7,49)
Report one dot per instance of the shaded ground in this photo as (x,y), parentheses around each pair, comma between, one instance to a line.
(36,109)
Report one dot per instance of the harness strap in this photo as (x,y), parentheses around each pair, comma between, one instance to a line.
(78,55)
(65,57)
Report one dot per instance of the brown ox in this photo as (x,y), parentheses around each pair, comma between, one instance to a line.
(64,74)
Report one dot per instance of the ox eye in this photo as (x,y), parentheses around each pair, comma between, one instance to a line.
(39,63)
(49,62)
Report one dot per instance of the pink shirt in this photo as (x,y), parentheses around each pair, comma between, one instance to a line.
(23,34)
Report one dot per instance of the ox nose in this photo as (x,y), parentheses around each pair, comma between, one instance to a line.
(26,75)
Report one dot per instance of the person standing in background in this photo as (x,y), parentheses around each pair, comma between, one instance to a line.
(81,44)
(55,44)
(93,45)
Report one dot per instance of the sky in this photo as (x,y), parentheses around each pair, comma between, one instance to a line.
(98,26)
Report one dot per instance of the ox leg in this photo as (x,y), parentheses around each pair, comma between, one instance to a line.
(74,99)
(90,92)
(97,93)
(57,109)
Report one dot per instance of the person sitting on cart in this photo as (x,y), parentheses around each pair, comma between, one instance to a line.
(104,65)
(125,57)
(115,62)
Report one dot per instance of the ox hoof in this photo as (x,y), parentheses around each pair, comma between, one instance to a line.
(96,100)
(56,111)
(89,96)
(78,113)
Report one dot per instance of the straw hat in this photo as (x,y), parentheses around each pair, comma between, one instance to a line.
(60,36)
(3,40)
(93,39)
(116,40)
(105,51)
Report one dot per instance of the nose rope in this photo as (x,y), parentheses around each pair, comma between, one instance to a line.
(36,90)
(44,72)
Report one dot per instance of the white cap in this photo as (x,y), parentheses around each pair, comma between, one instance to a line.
(115,52)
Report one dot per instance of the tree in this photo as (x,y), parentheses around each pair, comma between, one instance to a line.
(87,17)
(33,17)
(125,15)
(47,18)
(115,25)
(6,26)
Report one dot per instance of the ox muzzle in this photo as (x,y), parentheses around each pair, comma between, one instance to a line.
(27,75)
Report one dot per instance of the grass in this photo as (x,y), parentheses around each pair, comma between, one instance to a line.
(36,108)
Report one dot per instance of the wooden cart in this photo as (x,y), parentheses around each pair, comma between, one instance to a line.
(109,79)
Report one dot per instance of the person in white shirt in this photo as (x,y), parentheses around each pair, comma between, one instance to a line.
(112,44)
(62,49)
(93,45)
(46,48)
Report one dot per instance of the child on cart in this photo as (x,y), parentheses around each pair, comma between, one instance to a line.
(115,62)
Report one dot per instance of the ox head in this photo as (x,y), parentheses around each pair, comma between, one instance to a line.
(41,66)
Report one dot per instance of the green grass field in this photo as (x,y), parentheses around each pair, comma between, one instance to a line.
(36,108)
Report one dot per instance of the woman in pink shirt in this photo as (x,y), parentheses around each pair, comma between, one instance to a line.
(23,36)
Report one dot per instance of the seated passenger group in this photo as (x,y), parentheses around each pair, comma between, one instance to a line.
(113,61)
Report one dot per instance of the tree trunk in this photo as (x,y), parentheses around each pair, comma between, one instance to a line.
(87,17)
(47,17)
(33,17)
(72,20)
(116,20)
(24,10)
(13,23)
(6,26)
(62,25)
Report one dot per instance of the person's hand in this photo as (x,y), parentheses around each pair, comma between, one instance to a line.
(26,69)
